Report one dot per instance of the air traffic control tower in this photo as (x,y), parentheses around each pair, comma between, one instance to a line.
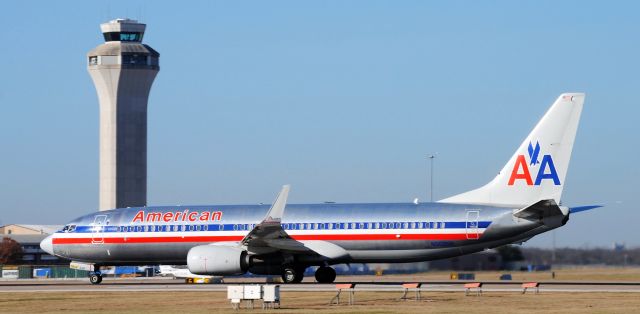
(123,70)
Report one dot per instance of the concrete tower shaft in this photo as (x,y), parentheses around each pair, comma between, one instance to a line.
(123,70)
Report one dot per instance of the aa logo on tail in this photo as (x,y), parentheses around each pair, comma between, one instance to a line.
(522,170)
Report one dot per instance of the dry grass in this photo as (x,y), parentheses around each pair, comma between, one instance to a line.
(629,274)
(366,302)
(299,302)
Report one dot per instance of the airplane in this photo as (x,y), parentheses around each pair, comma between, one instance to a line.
(522,201)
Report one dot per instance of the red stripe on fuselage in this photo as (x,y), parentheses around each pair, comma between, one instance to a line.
(304,237)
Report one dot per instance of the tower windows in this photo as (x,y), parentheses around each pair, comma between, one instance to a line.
(123,36)
(134,59)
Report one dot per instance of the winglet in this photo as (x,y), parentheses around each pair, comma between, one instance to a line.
(276,211)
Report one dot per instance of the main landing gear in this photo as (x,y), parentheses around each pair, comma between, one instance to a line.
(294,274)
(325,274)
(291,274)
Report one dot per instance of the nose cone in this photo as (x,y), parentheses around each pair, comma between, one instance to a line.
(47,245)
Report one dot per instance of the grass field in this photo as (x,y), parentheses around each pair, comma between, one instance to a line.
(601,274)
(317,302)
(627,274)
(104,301)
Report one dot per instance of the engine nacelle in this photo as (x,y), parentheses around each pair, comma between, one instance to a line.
(217,260)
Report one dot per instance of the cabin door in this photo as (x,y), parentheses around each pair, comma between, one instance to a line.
(97,231)
(472,224)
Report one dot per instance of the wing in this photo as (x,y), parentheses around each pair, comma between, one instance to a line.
(269,237)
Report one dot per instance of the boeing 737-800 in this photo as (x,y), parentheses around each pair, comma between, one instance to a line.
(523,200)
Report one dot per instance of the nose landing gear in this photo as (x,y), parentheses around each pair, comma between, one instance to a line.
(95,277)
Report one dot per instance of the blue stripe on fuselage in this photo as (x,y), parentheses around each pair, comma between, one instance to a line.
(305,226)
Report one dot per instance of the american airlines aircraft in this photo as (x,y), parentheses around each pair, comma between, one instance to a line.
(523,200)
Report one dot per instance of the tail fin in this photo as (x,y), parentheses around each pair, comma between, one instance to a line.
(538,168)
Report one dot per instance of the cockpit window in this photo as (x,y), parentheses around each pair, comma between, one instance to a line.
(69,228)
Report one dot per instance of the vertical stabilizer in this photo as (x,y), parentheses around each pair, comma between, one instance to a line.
(538,168)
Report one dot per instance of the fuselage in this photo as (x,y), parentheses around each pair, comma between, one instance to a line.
(394,232)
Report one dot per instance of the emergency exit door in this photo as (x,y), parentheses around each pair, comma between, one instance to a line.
(99,222)
(472,224)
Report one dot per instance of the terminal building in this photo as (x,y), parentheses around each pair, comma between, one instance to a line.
(29,237)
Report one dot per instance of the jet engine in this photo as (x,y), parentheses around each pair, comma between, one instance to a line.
(217,260)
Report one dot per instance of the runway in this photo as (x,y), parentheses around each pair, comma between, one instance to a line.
(166,285)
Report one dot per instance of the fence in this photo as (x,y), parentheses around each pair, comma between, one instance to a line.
(31,271)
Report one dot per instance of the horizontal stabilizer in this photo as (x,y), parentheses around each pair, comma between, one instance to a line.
(539,210)
(583,208)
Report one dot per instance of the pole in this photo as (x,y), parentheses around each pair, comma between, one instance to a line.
(553,251)
(431,158)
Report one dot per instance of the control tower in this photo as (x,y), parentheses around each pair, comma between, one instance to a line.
(123,70)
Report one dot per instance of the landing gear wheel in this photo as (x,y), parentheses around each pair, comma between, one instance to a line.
(292,275)
(95,278)
(325,274)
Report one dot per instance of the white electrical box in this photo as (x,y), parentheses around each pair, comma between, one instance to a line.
(271,293)
(235,292)
(252,292)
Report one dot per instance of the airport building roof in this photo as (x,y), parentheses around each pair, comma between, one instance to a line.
(24,229)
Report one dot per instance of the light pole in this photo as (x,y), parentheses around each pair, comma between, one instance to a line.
(431,159)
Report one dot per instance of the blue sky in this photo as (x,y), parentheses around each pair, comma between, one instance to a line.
(342,99)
